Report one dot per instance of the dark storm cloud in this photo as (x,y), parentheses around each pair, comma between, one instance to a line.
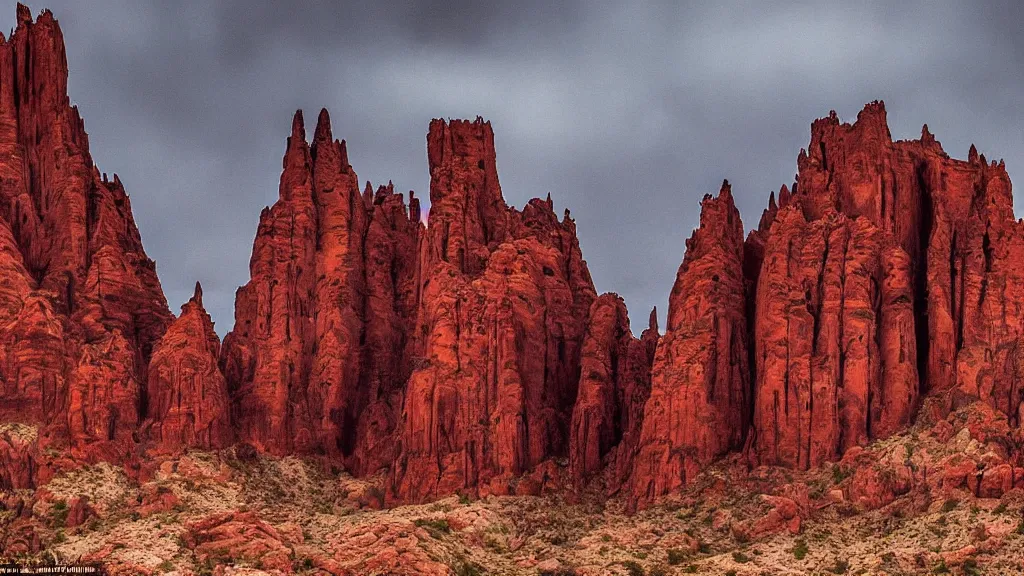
(627,114)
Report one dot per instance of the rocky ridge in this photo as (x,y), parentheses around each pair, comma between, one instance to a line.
(472,354)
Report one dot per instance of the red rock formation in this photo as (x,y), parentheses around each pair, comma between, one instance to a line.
(316,358)
(836,358)
(188,396)
(932,284)
(474,355)
(234,536)
(73,227)
(700,384)
(955,220)
(503,305)
(80,303)
(614,385)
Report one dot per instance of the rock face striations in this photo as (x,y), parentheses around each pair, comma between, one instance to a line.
(317,358)
(81,307)
(473,355)
(699,404)
(886,274)
(188,396)
(504,299)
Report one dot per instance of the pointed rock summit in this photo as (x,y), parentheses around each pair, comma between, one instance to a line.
(188,396)
(700,395)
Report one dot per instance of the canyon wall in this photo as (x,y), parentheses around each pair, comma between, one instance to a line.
(470,352)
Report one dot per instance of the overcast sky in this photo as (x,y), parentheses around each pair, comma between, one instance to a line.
(627,113)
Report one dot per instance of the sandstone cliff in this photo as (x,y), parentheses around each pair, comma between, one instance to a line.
(317,358)
(82,307)
(502,313)
(700,391)
(471,354)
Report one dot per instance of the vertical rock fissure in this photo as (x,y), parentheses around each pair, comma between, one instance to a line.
(921,297)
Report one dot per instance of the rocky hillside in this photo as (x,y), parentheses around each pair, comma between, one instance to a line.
(875,308)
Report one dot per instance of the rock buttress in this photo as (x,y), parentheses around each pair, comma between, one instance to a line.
(503,304)
(699,404)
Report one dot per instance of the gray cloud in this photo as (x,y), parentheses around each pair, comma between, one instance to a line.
(626,113)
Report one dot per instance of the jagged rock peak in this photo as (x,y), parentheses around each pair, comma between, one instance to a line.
(323,127)
(197,295)
(700,386)
(298,126)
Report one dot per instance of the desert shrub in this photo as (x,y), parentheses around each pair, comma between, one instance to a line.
(633,568)
(800,549)
(435,526)
(467,568)
(676,556)
(840,567)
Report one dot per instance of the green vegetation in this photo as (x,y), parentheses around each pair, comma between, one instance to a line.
(800,549)
(839,473)
(740,557)
(467,568)
(950,505)
(58,513)
(633,568)
(437,527)
(676,556)
(840,567)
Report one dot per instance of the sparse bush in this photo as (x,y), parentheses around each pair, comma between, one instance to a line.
(839,473)
(840,567)
(437,527)
(467,568)
(740,557)
(950,505)
(999,509)
(691,569)
(464,499)
(657,571)
(633,568)
(800,549)
(166,566)
(676,556)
